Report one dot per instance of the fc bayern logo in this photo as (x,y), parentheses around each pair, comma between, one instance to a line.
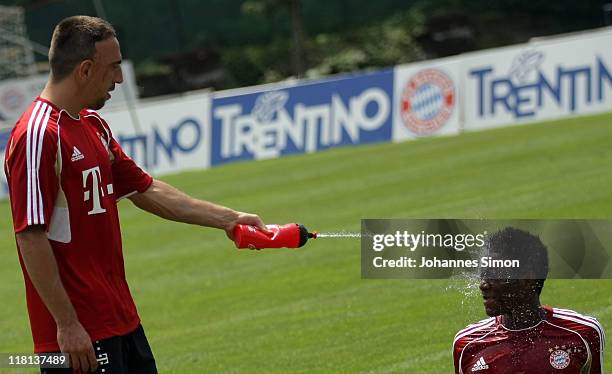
(559,359)
(427,101)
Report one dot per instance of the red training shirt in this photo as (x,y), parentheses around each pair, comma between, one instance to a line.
(563,343)
(67,175)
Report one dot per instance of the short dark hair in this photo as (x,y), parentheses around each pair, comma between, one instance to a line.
(74,40)
(512,243)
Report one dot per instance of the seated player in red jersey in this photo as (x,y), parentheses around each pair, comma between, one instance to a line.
(521,336)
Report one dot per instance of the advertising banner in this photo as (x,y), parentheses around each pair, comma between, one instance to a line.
(302,119)
(4,135)
(545,79)
(174,134)
(426,99)
(17,94)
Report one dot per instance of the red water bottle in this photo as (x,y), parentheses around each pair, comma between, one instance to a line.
(290,235)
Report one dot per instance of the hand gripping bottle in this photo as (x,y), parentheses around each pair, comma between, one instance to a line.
(290,235)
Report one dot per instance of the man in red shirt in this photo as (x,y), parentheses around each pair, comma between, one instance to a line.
(522,336)
(65,173)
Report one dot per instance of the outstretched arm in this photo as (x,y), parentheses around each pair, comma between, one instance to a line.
(168,202)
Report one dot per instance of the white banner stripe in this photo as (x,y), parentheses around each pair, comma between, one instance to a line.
(33,154)
(41,138)
(29,163)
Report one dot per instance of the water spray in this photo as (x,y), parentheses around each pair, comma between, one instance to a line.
(340,234)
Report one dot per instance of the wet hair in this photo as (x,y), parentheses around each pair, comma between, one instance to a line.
(74,40)
(514,244)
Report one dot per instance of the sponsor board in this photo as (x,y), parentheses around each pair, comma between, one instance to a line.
(544,79)
(17,94)
(302,119)
(174,134)
(541,80)
(4,136)
(426,99)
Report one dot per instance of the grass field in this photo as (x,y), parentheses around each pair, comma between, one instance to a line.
(210,308)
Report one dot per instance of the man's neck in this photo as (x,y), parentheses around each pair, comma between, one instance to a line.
(524,316)
(63,95)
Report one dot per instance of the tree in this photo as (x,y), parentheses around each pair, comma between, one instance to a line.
(266,7)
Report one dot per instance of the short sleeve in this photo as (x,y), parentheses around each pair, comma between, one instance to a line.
(595,337)
(456,354)
(30,167)
(128,178)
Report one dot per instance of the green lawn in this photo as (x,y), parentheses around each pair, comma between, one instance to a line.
(210,308)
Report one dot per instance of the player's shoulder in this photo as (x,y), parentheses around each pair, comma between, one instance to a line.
(38,112)
(37,124)
(572,320)
(475,331)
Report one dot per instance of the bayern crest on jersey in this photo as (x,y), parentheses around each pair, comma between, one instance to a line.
(427,101)
(559,359)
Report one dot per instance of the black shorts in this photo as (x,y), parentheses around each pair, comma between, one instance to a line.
(127,354)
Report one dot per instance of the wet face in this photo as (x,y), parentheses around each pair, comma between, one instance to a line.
(105,73)
(498,295)
(502,295)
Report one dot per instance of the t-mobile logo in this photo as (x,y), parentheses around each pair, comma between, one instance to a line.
(96,188)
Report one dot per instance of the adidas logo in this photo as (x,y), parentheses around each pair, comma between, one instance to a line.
(480,365)
(76,154)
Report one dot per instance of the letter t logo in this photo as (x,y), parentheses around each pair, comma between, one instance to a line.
(96,189)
